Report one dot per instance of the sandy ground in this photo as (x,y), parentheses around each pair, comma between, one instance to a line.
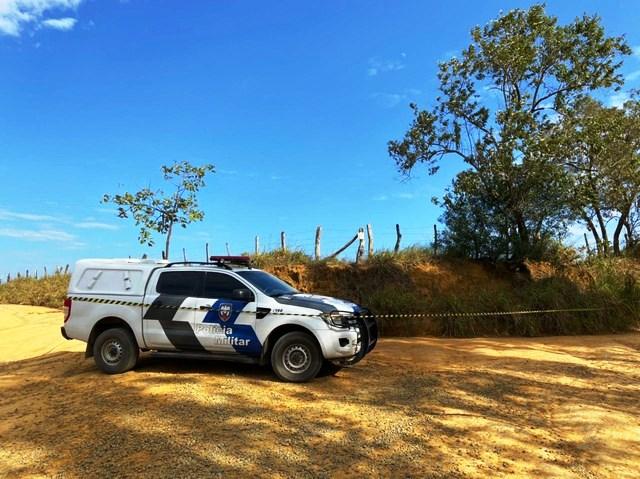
(549,407)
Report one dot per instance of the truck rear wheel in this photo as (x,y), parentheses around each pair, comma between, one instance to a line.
(115,351)
(296,357)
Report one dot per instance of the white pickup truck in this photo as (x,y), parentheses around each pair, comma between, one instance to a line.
(224,309)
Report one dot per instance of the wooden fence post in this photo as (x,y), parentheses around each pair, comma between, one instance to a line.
(66,269)
(45,271)
(206,252)
(226,245)
(317,248)
(283,241)
(360,252)
(435,240)
(257,249)
(369,241)
(398,238)
(184,255)
(26,274)
(349,243)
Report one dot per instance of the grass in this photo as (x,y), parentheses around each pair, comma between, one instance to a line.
(414,281)
(49,291)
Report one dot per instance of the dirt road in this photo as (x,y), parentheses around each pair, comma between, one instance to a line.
(549,407)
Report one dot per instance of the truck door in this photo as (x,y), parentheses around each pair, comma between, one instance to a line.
(167,320)
(225,316)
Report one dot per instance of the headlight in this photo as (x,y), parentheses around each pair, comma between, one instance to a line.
(337,319)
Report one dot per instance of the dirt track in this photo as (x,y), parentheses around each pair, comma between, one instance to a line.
(552,407)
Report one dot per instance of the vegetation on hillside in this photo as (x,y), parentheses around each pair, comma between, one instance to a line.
(413,281)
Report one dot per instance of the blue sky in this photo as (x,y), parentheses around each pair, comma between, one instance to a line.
(292,101)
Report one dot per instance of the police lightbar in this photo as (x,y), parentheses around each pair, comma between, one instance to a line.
(239,260)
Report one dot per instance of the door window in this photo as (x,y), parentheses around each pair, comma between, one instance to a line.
(220,285)
(180,283)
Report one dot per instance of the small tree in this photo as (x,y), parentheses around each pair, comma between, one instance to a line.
(155,211)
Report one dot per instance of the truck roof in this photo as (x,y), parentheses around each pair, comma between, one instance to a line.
(127,276)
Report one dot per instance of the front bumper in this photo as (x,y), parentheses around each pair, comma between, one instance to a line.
(353,343)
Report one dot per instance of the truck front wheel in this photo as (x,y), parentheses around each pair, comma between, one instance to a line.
(296,357)
(115,351)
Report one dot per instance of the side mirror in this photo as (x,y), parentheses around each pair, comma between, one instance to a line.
(243,294)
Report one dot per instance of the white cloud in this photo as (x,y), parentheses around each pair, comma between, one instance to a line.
(95,225)
(12,215)
(389,100)
(618,99)
(633,76)
(406,196)
(16,14)
(37,235)
(63,24)
(377,65)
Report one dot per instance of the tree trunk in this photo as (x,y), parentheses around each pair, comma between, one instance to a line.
(603,232)
(523,233)
(630,239)
(168,242)
(616,233)
(594,232)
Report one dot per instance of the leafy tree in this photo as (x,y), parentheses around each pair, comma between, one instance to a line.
(601,151)
(496,106)
(155,211)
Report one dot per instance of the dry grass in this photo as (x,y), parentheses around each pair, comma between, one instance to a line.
(49,291)
(415,282)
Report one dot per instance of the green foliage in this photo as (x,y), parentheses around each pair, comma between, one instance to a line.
(154,211)
(498,103)
(601,153)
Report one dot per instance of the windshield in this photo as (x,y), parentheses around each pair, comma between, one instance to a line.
(267,283)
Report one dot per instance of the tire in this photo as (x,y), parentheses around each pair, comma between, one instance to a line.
(115,351)
(296,357)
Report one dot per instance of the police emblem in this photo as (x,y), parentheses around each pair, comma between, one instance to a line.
(224,312)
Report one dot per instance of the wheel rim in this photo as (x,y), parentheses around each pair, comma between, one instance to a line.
(297,358)
(112,351)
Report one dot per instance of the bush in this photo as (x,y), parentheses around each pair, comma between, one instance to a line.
(49,291)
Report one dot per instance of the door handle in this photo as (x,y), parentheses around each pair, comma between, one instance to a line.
(205,307)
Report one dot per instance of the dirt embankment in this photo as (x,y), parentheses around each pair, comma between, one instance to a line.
(610,290)
(555,407)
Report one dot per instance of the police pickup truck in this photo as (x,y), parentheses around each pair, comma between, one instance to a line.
(223,309)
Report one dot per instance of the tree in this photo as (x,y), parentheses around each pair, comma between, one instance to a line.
(496,106)
(155,211)
(601,152)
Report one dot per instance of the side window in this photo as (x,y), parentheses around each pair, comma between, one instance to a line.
(220,285)
(180,283)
